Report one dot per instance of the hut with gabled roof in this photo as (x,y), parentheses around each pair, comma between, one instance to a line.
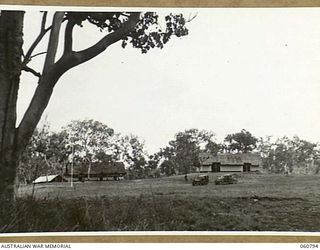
(240,162)
(98,171)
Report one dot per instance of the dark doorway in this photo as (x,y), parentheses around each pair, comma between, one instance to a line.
(215,167)
(246,167)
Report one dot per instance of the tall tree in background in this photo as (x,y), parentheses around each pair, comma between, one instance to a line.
(88,138)
(184,150)
(135,156)
(167,167)
(142,30)
(46,153)
(59,151)
(153,164)
(213,147)
(265,148)
(291,155)
(242,142)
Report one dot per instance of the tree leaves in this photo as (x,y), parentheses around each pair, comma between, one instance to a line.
(88,137)
(289,155)
(184,150)
(241,142)
(147,34)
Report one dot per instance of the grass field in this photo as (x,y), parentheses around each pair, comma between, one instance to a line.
(259,202)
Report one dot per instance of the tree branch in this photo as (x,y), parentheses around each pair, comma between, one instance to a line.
(37,106)
(30,70)
(191,17)
(53,71)
(38,54)
(53,41)
(44,19)
(43,31)
(68,37)
(91,52)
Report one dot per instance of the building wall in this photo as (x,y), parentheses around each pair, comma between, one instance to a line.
(232,168)
(205,168)
(229,168)
(254,168)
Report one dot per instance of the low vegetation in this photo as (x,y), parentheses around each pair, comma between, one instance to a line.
(259,202)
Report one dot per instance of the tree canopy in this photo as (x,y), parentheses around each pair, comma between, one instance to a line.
(242,141)
(183,151)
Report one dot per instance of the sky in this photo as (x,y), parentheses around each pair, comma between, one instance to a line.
(256,69)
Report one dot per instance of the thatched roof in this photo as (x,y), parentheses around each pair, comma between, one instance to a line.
(230,159)
(98,168)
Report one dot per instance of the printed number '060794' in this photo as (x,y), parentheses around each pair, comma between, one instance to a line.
(308,246)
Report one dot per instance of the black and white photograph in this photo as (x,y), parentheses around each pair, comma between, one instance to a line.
(159,119)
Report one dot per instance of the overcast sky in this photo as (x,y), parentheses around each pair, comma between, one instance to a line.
(254,69)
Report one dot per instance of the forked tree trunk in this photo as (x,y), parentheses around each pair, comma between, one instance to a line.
(14,140)
(11,25)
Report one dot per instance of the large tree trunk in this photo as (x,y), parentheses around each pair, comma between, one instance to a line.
(11,25)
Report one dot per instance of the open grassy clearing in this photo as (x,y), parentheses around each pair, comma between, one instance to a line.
(259,202)
(296,186)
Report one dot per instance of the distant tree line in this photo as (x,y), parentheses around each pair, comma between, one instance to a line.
(82,142)
(89,141)
(286,155)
